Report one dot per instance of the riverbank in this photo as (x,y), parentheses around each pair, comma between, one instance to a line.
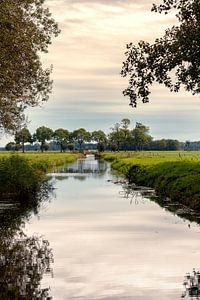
(175,175)
(23,175)
(43,161)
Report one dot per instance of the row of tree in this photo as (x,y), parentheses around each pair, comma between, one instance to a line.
(121,137)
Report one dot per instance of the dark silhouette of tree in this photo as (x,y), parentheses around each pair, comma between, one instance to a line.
(177,52)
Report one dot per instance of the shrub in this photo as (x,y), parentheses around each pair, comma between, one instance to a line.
(18,178)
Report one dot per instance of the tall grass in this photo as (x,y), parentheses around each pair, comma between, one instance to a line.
(21,176)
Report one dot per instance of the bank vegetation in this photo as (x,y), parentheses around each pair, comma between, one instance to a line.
(175,175)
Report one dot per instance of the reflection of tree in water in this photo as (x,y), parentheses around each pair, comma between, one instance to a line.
(23,260)
(85,166)
(192,285)
(178,209)
(135,194)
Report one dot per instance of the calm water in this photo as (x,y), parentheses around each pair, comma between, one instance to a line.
(107,246)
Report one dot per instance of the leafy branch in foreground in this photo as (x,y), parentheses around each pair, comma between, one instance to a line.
(26,30)
(176,54)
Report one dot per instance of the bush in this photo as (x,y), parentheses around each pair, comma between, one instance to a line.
(18,178)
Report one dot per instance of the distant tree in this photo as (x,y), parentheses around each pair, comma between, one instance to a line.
(125,123)
(42,135)
(101,147)
(100,137)
(26,30)
(45,147)
(113,147)
(172,60)
(126,132)
(70,147)
(116,136)
(141,136)
(187,145)
(23,136)
(160,145)
(11,146)
(81,136)
(173,145)
(165,145)
(61,136)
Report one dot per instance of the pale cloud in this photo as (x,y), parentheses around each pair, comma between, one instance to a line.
(87,58)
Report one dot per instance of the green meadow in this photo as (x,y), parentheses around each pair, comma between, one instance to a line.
(152,157)
(172,174)
(43,161)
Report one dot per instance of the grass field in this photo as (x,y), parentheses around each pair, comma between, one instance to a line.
(172,174)
(153,157)
(43,161)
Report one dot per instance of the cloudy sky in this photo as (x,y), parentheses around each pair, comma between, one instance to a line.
(87,58)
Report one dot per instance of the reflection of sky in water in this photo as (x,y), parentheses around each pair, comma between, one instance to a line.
(82,168)
(105,248)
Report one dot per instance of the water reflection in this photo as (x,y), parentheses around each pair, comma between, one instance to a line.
(23,259)
(108,249)
(138,194)
(192,285)
(81,169)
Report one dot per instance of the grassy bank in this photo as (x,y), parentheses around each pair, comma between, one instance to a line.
(172,174)
(43,162)
(22,175)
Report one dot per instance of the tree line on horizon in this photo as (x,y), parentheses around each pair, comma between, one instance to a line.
(120,138)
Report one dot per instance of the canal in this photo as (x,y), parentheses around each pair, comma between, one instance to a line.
(104,244)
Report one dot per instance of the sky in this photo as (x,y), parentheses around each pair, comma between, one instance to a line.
(87,58)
